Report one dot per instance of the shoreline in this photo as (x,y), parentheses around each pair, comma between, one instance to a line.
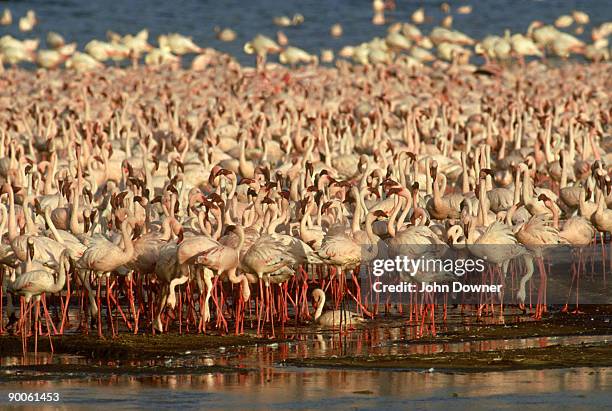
(557,356)
(171,346)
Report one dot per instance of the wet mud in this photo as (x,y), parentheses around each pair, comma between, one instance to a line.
(140,347)
(162,354)
(557,356)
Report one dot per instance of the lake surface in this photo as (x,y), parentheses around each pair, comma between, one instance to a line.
(255,378)
(581,388)
(82,21)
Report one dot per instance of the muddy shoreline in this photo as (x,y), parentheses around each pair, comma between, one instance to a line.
(557,356)
(116,354)
(597,321)
(44,372)
(129,347)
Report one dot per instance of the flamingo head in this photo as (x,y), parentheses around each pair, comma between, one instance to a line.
(380,214)
(394,190)
(374,191)
(486,171)
(30,246)
(455,234)
(309,167)
(543,197)
(267,200)
(326,206)
(433,169)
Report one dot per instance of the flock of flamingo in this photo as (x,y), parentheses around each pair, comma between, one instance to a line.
(405,43)
(155,199)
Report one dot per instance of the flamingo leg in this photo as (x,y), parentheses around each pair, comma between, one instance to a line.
(67,302)
(132,305)
(1,301)
(47,316)
(580,257)
(22,327)
(208,275)
(99,310)
(158,326)
(109,307)
(37,309)
(85,281)
(261,307)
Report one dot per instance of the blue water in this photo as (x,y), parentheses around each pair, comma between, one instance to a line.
(82,21)
(579,389)
(265,383)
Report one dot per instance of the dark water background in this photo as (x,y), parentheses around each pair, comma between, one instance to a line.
(84,20)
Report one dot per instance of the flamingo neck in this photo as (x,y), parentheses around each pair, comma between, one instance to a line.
(48,187)
(428,180)
(166,229)
(482,206)
(517,187)
(393,216)
(526,189)
(361,198)
(402,218)
(243,164)
(320,305)
(600,202)
(368,228)
(61,279)
(439,188)
(563,182)
(465,183)
(74,222)
(201,224)
(550,157)
(30,226)
(12,219)
(128,246)
(3,213)
(356,226)
(257,205)
(52,226)
(240,231)
(280,217)
(510,214)
(219,225)
(233,188)
(582,202)
(304,219)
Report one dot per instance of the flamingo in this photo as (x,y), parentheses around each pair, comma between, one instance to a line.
(537,234)
(224,260)
(36,281)
(333,318)
(577,231)
(103,257)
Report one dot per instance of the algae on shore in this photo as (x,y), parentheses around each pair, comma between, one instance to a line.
(129,346)
(173,345)
(557,356)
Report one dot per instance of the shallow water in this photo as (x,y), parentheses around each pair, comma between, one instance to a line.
(582,388)
(82,21)
(260,381)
